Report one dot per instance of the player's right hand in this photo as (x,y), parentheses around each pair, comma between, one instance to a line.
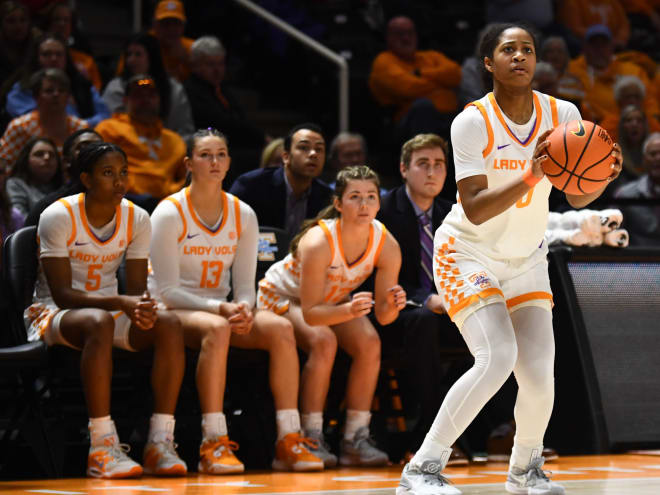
(361,303)
(141,310)
(238,315)
(540,154)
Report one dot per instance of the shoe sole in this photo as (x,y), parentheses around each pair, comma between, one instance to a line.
(405,491)
(458,462)
(279,465)
(171,471)
(511,488)
(135,472)
(222,470)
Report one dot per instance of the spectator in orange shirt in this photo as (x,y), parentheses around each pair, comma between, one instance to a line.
(598,70)
(579,15)
(420,85)
(628,91)
(168,25)
(154,154)
(59,23)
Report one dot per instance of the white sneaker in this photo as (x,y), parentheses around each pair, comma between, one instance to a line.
(111,461)
(532,480)
(161,459)
(361,451)
(425,480)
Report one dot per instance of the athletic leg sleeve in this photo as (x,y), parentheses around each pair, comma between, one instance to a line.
(489,335)
(534,371)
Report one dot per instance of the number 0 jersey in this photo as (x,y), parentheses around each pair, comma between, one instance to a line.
(282,280)
(486,142)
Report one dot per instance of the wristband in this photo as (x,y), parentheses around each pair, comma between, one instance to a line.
(530,179)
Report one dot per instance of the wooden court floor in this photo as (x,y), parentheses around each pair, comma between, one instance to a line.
(588,475)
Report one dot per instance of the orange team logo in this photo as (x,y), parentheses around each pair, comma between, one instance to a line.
(480,280)
(232,235)
(121,243)
(580,132)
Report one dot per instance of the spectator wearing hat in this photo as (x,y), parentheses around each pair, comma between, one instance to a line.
(168,25)
(598,70)
(154,154)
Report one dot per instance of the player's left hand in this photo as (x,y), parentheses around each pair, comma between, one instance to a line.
(145,311)
(617,166)
(396,297)
(241,320)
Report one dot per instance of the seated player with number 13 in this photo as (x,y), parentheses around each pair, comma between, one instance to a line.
(204,246)
(490,263)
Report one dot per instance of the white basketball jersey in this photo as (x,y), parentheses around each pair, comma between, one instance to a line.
(341,277)
(94,263)
(205,255)
(518,231)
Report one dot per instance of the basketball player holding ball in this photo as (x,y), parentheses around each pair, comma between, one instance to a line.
(490,264)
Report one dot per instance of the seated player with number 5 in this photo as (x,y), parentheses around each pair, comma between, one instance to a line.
(82,240)
(490,263)
(204,245)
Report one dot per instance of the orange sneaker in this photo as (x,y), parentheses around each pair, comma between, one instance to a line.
(292,454)
(110,461)
(161,459)
(216,456)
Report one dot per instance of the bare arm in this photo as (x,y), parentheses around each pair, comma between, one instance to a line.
(315,258)
(482,203)
(58,275)
(390,296)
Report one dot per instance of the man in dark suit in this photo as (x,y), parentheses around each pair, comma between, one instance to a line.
(285,196)
(412,212)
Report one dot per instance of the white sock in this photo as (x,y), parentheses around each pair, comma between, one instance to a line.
(100,429)
(354,421)
(431,451)
(521,456)
(288,421)
(312,421)
(161,428)
(214,425)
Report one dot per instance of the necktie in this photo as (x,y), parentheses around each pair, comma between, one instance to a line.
(426,242)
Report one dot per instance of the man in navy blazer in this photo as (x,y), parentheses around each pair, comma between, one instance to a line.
(422,328)
(285,196)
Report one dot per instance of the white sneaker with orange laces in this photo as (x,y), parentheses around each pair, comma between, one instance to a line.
(161,459)
(216,456)
(110,461)
(292,454)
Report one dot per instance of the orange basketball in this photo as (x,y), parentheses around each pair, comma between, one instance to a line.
(579,157)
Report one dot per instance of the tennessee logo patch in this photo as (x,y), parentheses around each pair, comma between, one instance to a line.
(232,235)
(480,280)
